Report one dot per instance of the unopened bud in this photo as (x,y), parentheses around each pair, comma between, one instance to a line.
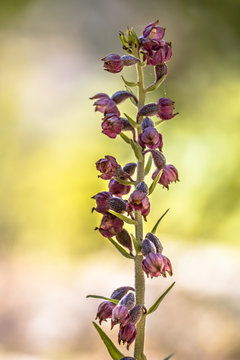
(129,60)
(122,95)
(158,158)
(155,241)
(135,313)
(120,292)
(147,122)
(117,204)
(124,239)
(130,168)
(143,187)
(148,247)
(128,301)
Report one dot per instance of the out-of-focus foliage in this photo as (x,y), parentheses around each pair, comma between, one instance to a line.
(50,136)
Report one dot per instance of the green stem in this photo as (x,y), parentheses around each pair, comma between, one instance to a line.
(139,275)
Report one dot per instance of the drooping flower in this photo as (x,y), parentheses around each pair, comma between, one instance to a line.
(105,104)
(165,110)
(155,241)
(120,292)
(139,201)
(102,200)
(118,205)
(110,225)
(113,63)
(120,315)
(154,32)
(169,174)
(108,167)
(156,265)
(151,138)
(127,334)
(112,125)
(104,311)
(118,189)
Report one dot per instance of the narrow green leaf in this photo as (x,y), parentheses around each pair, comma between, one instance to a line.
(123,39)
(148,165)
(131,121)
(124,182)
(137,150)
(120,249)
(129,83)
(113,351)
(154,229)
(159,300)
(123,217)
(156,84)
(137,247)
(125,138)
(169,357)
(103,297)
(155,181)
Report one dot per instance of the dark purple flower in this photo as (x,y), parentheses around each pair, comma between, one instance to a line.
(120,315)
(113,63)
(154,32)
(129,60)
(130,168)
(104,311)
(110,225)
(124,239)
(102,200)
(128,300)
(107,167)
(118,205)
(112,125)
(127,334)
(162,55)
(120,292)
(118,189)
(148,247)
(135,314)
(146,123)
(158,158)
(156,265)
(139,201)
(165,111)
(151,138)
(169,174)
(155,241)
(101,102)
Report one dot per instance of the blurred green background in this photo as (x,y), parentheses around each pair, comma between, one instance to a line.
(50,139)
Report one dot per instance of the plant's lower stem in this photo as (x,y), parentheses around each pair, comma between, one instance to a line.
(139,275)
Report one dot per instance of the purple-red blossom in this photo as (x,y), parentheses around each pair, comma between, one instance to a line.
(151,138)
(104,311)
(104,104)
(108,167)
(110,225)
(127,334)
(155,265)
(112,125)
(165,111)
(169,174)
(102,201)
(118,189)
(120,292)
(139,201)
(113,63)
(120,315)
(154,32)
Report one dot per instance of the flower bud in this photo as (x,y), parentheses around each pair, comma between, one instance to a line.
(110,225)
(102,200)
(156,265)
(113,63)
(158,158)
(155,241)
(104,311)
(124,239)
(120,292)
(165,111)
(169,174)
(143,187)
(146,123)
(147,247)
(122,95)
(130,168)
(135,314)
(151,138)
(118,189)
(128,301)
(127,334)
(118,205)
(120,315)
(148,110)
(112,126)
(129,60)
(108,167)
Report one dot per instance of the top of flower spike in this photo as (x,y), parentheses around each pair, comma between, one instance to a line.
(154,32)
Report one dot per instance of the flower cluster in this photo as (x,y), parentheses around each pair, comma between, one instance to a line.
(126,314)
(127,197)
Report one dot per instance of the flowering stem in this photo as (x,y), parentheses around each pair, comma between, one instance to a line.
(139,275)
